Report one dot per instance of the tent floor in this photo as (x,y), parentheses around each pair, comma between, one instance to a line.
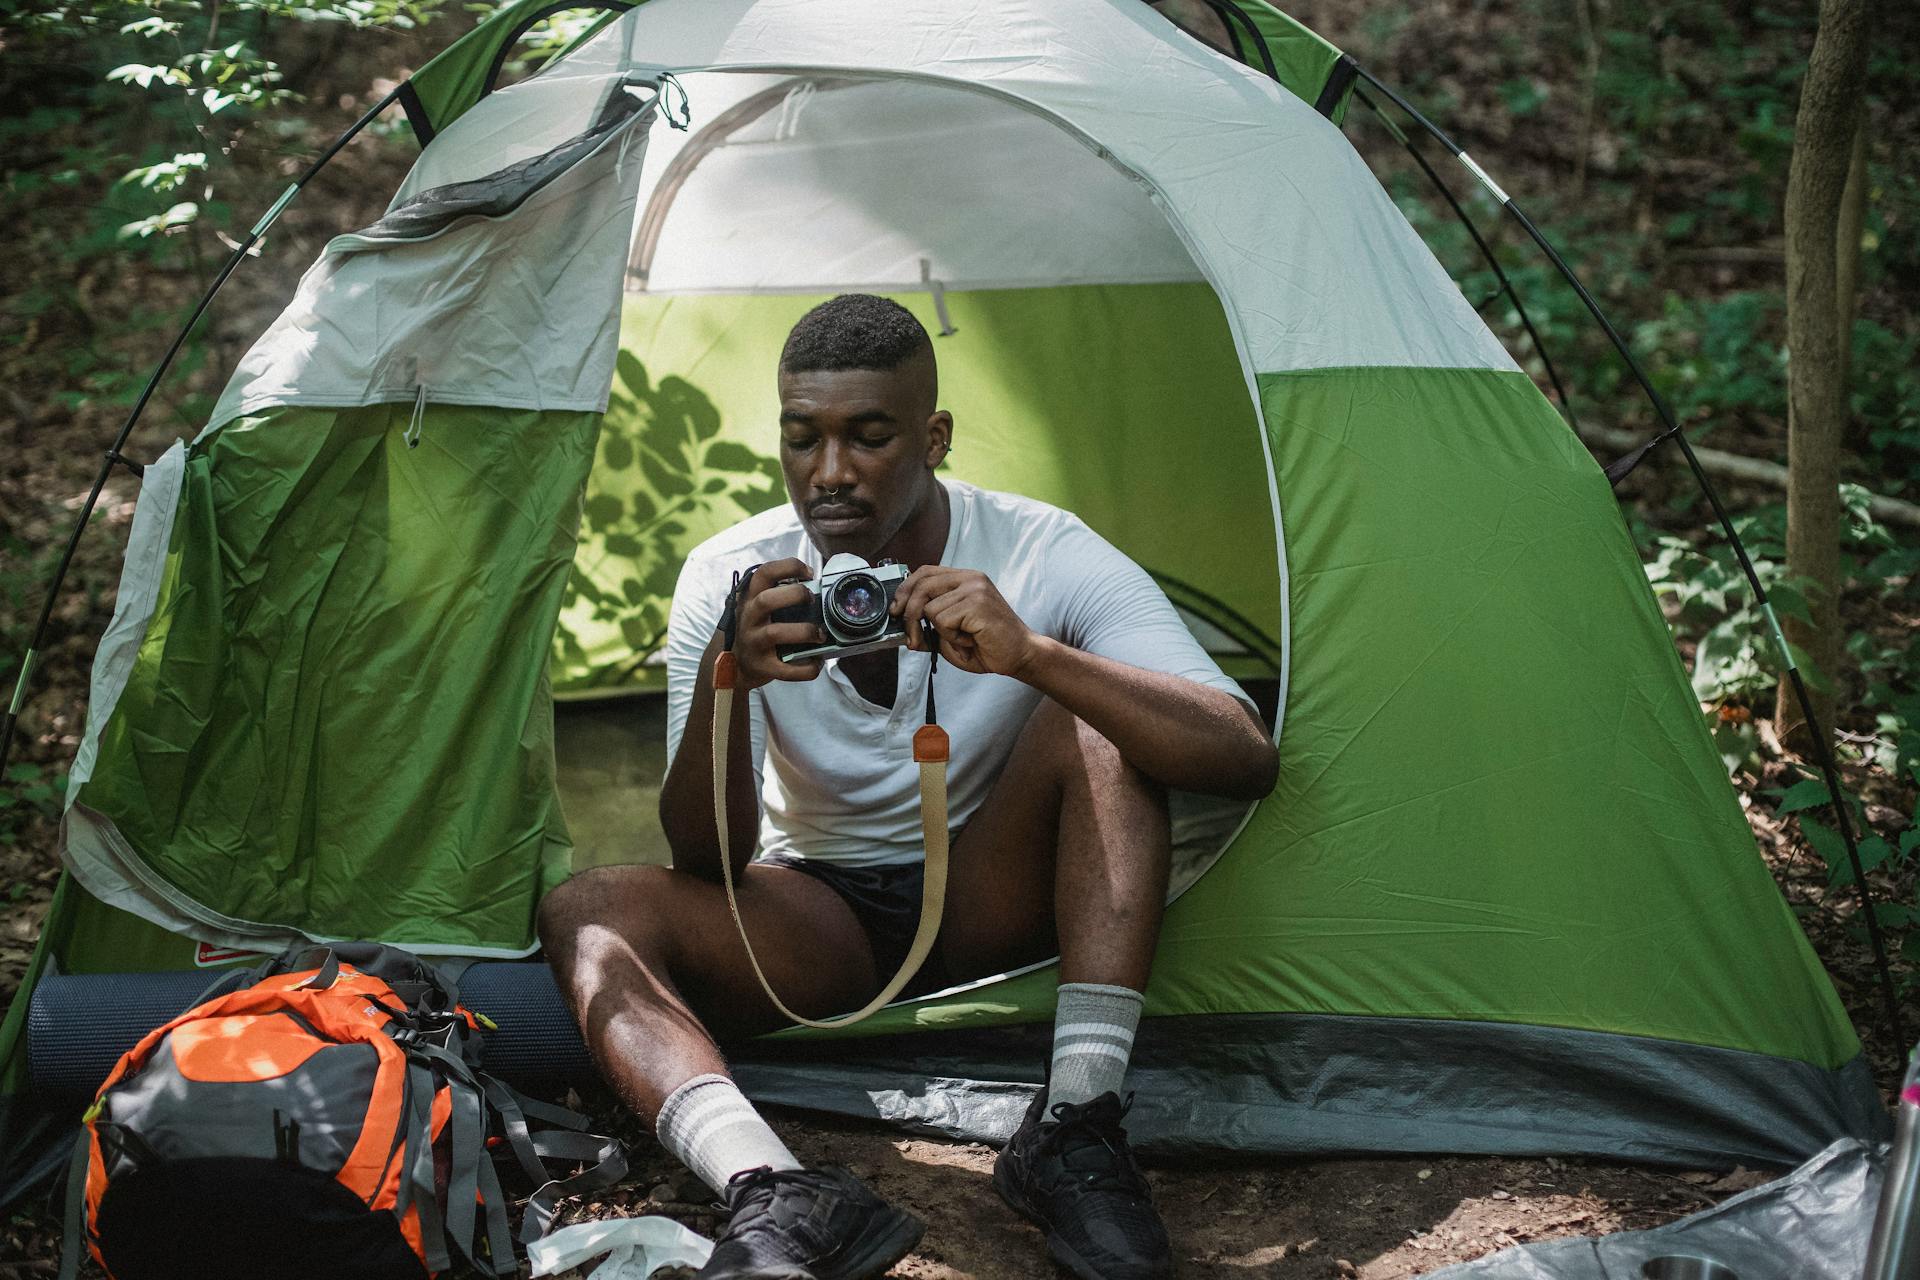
(1231,1218)
(611,755)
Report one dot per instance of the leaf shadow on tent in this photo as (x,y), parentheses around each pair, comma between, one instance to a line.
(661,477)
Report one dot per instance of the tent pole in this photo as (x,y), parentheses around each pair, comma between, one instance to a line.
(1486,251)
(113,454)
(1233,21)
(1822,749)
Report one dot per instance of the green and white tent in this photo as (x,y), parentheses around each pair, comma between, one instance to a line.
(1503,898)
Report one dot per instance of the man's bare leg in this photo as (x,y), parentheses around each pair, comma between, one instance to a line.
(654,969)
(1100,890)
(1072,843)
(657,977)
(1068,853)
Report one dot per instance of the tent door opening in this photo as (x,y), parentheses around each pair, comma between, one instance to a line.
(1087,361)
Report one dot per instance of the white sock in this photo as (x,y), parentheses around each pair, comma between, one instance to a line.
(1093,1028)
(708,1125)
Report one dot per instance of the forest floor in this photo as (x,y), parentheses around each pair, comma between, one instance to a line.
(1374,1218)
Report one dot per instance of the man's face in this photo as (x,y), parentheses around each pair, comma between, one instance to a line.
(858,447)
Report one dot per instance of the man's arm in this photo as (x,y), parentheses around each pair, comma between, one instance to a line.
(1180,733)
(1176,731)
(686,795)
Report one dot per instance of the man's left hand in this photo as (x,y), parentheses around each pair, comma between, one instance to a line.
(979,631)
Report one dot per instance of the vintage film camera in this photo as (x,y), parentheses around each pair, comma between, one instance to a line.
(849,602)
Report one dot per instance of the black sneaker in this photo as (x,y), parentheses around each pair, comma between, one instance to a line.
(808,1224)
(1074,1176)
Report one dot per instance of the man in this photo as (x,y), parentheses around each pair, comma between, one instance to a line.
(1074,697)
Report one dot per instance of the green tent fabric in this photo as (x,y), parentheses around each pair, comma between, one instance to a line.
(1502,898)
(323,723)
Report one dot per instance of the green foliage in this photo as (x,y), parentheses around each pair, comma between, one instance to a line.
(548,38)
(1886,398)
(1718,358)
(1888,858)
(160,130)
(31,792)
(196,78)
(1735,662)
(1709,601)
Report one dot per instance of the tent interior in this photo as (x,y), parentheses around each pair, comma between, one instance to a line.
(1086,361)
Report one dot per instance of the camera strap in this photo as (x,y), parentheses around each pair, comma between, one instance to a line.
(930,751)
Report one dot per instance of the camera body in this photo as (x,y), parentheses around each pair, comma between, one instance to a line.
(849,602)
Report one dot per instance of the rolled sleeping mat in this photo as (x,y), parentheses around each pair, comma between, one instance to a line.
(79,1025)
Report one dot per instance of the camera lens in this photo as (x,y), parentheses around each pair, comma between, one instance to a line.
(857,604)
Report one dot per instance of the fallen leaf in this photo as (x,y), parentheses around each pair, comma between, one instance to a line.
(1741,1179)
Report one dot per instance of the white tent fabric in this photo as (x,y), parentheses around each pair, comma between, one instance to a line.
(1314,265)
(945,186)
(520,311)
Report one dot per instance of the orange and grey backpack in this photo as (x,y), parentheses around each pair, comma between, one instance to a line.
(323,1116)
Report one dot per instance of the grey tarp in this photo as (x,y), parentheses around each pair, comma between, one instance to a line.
(1810,1225)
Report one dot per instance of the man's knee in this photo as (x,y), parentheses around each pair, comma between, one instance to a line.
(623,904)
(1082,754)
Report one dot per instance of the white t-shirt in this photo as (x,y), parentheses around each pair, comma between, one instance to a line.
(844,787)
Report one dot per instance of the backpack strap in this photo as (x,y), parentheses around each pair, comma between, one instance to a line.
(471,1181)
(609,1166)
(73,1231)
(328,975)
(606,1157)
(417,1185)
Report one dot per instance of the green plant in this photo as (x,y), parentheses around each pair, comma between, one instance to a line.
(1895,857)
(1715,358)
(1710,603)
(33,792)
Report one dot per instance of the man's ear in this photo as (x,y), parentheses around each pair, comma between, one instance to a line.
(939,437)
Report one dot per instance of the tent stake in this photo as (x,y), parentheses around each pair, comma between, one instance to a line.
(1822,749)
(113,455)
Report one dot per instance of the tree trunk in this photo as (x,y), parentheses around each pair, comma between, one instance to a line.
(1853,223)
(1823,134)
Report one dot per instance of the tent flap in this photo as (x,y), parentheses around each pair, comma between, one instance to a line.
(345,684)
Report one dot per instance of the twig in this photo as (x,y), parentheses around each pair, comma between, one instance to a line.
(1755,470)
(1734,254)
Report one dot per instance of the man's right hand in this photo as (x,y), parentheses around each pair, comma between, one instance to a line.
(778,584)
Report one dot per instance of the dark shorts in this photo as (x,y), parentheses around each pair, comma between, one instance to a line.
(886,902)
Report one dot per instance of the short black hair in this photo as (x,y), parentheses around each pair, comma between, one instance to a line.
(854,331)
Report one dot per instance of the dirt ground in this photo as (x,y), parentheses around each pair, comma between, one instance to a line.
(1376,1219)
